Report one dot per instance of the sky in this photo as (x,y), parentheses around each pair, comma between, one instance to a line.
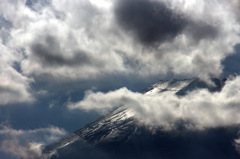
(62,61)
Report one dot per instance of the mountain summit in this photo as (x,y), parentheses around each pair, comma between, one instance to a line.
(119,135)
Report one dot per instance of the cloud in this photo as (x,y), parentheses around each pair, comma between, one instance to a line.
(198,109)
(63,47)
(82,40)
(237,143)
(102,102)
(89,40)
(47,135)
(29,151)
(149,21)
(49,53)
(236,8)
(14,87)
(28,144)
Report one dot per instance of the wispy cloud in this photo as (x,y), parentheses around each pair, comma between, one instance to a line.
(28,144)
(237,143)
(198,109)
(28,151)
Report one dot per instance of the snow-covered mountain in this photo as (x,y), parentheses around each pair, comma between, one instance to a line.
(118,134)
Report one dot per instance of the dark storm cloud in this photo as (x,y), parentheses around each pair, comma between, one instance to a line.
(201,30)
(50,53)
(150,22)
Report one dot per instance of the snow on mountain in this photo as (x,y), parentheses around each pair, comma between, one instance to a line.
(118,134)
(167,87)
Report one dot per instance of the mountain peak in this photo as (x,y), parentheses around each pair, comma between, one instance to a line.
(119,134)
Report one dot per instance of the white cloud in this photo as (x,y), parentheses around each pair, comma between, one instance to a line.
(102,102)
(14,87)
(236,8)
(82,40)
(237,143)
(48,134)
(86,41)
(28,144)
(29,151)
(199,109)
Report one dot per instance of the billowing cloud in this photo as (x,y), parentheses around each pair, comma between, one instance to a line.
(14,87)
(91,40)
(197,110)
(28,144)
(88,40)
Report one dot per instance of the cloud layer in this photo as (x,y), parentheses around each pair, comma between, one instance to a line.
(198,109)
(89,39)
(28,144)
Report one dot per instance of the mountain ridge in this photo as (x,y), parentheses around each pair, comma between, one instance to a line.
(119,135)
